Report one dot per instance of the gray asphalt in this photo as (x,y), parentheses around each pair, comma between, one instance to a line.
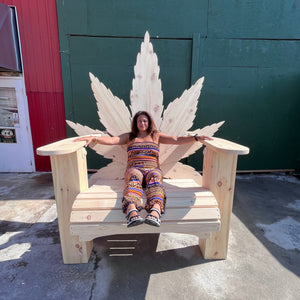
(263,260)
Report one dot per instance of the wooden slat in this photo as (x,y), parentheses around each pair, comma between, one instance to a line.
(98,204)
(119,195)
(199,226)
(100,195)
(172,186)
(92,194)
(174,214)
(169,183)
(90,231)
(180,183)
(170,194)
(190,214)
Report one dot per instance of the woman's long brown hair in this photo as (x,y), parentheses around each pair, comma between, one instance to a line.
(134,129)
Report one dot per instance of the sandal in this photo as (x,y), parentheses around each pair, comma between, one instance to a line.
(153,220)
(134,220)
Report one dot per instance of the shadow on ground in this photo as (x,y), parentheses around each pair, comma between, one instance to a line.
(258,201)
(132,273)
(31,260)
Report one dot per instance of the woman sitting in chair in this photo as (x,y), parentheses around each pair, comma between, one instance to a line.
(143,167)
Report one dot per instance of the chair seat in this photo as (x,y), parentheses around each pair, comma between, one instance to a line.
(189,209)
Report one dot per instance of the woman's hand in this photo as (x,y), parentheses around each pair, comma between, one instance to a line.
(201,138)
(87,139)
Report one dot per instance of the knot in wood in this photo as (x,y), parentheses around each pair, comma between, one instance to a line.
(156,108)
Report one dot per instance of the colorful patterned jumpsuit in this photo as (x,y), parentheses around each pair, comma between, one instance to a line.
(143,172)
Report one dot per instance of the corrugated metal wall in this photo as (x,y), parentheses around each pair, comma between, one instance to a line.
(42,71)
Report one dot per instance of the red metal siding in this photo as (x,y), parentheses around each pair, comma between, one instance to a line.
(42,71)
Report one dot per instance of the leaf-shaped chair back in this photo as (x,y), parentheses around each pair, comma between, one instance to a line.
(146,95)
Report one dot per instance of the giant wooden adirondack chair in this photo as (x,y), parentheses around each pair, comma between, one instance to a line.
(196,205)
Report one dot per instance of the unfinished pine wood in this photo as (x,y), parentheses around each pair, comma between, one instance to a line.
(91,231)
(224,146)
(180,193)
(110,108)
(146,94)
(69,178)
(97,211)
(100,203)
(174,214)
(219,176)
(190,207)
(61,147)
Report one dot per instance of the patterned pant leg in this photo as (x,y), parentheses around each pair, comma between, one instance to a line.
(133,190)
(155,191)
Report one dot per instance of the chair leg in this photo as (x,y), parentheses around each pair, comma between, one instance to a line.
(69,172)
(75,251)
(219,171)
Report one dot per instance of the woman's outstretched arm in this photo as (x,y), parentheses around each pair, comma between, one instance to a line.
(105,140)
(179,140)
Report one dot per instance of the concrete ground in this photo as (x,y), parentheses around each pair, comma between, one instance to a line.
(263,260)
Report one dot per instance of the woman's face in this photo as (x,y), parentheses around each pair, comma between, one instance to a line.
(142,123)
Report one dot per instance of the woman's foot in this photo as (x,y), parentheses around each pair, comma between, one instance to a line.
(133,218)
(153,218)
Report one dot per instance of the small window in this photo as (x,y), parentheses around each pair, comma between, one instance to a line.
(10,58)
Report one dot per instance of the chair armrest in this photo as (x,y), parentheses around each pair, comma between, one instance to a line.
(65,146)
(224,146)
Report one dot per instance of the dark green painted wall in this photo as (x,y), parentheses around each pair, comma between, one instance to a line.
(248,51)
